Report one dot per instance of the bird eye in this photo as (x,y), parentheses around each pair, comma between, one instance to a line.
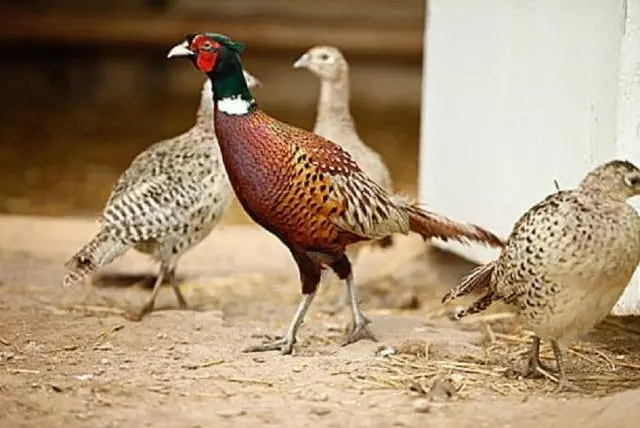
(324,57)
(206,45)
(632,181)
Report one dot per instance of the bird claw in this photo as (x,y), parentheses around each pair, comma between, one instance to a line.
(566,386)
(536,369)
(359,332)
(282,344)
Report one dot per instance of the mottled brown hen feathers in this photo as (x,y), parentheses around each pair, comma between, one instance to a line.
(478,279)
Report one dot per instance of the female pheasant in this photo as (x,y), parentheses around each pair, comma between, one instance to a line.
(335,123)
(304,189)
(166,202)
(567,261)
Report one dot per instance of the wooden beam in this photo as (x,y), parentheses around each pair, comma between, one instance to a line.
(161,31)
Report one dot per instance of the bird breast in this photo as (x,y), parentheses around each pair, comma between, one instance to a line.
(581,266)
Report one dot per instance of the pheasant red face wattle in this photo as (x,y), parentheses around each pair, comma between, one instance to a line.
(206,52)
(202,51)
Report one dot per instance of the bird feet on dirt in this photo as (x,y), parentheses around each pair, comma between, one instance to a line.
(539,369)
(282,344)
(565,386)
(536,368)
(358,332)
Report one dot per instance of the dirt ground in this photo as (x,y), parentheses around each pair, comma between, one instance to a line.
(65,362)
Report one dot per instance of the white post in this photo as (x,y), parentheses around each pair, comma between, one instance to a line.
(519,93)
(629,124)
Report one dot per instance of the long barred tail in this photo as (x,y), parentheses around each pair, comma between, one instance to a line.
(432,225)
(479,278)
(102,249)
(478,306)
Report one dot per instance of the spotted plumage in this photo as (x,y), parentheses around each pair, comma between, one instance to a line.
(306,190)
(567,260)
(167,201)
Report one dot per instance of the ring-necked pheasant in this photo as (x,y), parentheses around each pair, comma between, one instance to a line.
(566,262)
(167,201)
(304,189)
(335,123)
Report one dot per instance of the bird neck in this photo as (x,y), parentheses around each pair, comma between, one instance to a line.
(231,93)
(204,116)
(333,104)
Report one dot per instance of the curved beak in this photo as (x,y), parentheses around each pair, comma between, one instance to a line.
(180,50)
(303,61)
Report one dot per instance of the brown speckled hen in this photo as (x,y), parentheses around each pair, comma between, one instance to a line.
(566,262)
(304,189)
(164,204)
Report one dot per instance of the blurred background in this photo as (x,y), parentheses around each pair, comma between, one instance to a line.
(85,86)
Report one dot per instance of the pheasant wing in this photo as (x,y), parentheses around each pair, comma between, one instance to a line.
(339,190)
(153,208)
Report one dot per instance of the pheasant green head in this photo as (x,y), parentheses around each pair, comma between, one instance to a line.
(218,56)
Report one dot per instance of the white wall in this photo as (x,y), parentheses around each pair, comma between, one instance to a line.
(518,93)
(629,123)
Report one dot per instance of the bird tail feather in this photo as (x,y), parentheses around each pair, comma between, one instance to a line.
(478,279)
(432,225)
(101,250)
(478,306)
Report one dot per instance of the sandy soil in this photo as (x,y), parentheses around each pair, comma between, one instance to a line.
(65,363)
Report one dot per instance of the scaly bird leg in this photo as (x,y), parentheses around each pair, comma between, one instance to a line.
(563,382)
(285,344)
(343,298)
(535,367)
(176,288)
(148,307)
(359,328)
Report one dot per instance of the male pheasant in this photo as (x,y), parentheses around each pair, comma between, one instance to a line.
(335,123)
(167,201)
(304,189)
(567,260)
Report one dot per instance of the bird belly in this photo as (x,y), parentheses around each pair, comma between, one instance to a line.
(573,311)
(582,289)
